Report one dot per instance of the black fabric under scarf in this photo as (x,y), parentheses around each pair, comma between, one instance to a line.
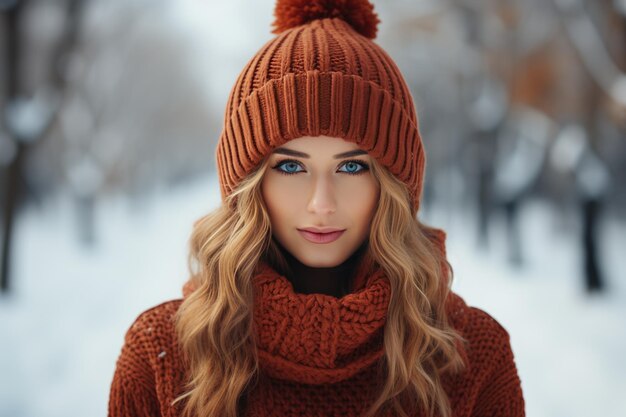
(346,270)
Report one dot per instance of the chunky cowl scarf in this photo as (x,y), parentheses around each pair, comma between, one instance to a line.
(318,355)
(317,338)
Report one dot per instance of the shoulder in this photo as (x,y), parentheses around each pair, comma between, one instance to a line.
(157,317)
(473,321)
(153,330)
(147,368)
(492,379)
(487,340)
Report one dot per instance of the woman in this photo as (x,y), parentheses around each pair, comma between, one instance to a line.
(315,291)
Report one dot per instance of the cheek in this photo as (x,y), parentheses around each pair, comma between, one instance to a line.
(278,200)
(360,200)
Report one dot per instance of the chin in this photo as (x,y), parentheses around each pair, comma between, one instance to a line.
(321,261)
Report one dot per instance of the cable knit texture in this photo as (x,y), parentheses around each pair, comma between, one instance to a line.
(318,355)
(317,338)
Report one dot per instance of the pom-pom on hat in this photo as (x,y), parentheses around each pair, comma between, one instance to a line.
(322,75)
(359,14)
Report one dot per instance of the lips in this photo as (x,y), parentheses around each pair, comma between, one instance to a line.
(328,235)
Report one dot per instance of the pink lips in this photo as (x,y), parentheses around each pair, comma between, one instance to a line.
(311,235)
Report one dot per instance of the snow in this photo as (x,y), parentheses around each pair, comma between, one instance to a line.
(63,324)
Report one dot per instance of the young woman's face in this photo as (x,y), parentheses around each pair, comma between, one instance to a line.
(312,183)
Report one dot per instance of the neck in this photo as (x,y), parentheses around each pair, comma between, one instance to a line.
(335,281)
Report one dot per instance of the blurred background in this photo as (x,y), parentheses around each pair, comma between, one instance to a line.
(109,116)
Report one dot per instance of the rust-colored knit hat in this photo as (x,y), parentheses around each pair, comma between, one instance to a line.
(322,75)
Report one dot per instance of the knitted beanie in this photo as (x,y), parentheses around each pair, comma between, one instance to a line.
(322,75)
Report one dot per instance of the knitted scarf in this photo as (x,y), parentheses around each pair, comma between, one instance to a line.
(318,338)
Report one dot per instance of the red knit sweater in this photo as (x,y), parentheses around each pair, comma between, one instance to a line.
(317,354)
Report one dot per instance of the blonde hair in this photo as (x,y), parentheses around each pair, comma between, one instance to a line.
(214,323)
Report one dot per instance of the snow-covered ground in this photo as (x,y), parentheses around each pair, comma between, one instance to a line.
(62,326)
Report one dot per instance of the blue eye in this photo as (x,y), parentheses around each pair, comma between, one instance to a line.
(290,166)
(352,167)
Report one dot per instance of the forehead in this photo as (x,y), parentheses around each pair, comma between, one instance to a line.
(308,146)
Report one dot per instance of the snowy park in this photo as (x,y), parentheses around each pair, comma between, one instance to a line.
(107,157)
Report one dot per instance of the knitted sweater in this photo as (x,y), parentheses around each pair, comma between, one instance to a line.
(317,354)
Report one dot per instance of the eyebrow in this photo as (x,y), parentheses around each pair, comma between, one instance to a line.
(291,152)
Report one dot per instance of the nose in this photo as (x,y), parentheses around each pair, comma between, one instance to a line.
(323,198)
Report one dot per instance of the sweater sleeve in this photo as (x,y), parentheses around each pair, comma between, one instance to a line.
(133,392)
(501,396)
